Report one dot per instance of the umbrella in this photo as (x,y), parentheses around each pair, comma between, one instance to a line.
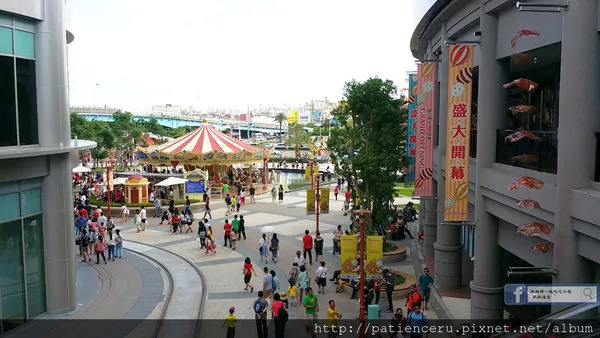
(81,169)
(267,229)
(171,181)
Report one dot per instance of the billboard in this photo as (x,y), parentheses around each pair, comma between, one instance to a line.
(374,258)
(458,133)
(292,117)
(349,256)
(411,129)
(426,84)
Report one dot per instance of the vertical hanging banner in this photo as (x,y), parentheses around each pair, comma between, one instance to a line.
(374,258)
(349,256)
(324,204)
(310,201)
(424,123)
(411,129)
(458,133)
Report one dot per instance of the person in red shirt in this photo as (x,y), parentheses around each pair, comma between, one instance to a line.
(348,195)
(335,192)
(248,270)
(228,228)
(307,242)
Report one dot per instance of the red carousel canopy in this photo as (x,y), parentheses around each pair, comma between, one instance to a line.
(205,145)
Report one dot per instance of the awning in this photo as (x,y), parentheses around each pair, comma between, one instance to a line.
(81,169)
(171,181)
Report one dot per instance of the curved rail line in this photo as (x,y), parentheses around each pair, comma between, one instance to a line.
(202,281)
(167,300)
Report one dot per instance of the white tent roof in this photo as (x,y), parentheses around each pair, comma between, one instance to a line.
(171,181)
(81,169)
(119,180)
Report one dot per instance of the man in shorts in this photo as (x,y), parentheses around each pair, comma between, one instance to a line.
(143,217)
(311,306)
(267,284)
(425,283)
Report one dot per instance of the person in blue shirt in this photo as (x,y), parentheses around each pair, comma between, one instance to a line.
(425,283)
(416,321)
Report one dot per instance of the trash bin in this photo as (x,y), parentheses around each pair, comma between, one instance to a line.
(373,312)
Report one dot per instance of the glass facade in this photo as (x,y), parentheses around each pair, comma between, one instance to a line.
(22,269)
(18,97)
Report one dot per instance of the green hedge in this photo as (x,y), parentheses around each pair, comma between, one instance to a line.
(97,202)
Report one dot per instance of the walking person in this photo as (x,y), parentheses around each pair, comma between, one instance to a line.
(238,203)
(227,205)
(333,317)
(100,247)
(425,283)
(307,243)
(110,242)
(207,208)
(137,220)
(234,202)
(280,315)
(274,194)
(280,194)
(303,281)
(274,248)
(260,307)
(248,270)
(252,192)
(413,299)
(124,213)
(416,321)
(84,242)
(227,227)
(275,281)
(242,227)
(321,278)
(230,323)
(311,306)
(202,232)
(337,234)
(319,247)
(233,239)
(267,284)
(336,191)
(389,288)
(157,207)
(143,217)
(263,248)
(118,244)
(242,197)
(377,289)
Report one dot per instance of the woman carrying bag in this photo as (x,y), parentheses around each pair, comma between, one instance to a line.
(202,233)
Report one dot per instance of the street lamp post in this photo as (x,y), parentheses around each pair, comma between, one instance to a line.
(109,174)
(362,278)
(318,201)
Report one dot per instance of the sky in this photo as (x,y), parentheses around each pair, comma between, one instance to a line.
(228,54)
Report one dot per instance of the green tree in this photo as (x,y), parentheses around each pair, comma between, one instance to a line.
(297,137)
(368,143)
(280,118)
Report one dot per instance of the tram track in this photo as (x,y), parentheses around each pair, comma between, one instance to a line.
(173,287)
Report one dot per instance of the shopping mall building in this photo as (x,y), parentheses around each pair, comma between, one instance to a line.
(37,252)
(560,51)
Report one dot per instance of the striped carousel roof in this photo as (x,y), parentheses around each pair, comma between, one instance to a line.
(204,140)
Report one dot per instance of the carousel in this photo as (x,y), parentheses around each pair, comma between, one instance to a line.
(216,157)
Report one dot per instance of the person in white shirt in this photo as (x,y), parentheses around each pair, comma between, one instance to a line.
(143,217)
(299,260)
(102,219)
(124,213)
(321,278)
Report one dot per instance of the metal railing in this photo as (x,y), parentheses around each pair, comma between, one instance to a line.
(539,155)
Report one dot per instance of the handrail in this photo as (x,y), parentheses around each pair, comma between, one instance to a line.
(533,131)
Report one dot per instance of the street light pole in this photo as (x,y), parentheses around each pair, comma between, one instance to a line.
(362,278)
(318,201)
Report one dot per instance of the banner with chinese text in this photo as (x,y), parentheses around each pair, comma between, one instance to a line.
(310,201)
(426,84)
(324,203)
(411,128)
(460,74)
(374,259)
(348,256)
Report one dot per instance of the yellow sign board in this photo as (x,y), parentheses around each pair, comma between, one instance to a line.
(292,117)
(324,205)
(310,201)
(374,260)
(349,256)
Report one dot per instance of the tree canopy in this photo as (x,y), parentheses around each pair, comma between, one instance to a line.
(368,144)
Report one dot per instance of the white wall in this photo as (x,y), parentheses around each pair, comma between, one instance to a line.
(30,8)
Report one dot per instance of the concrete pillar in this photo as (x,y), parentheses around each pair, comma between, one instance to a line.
(51,77)
(429,216)
(448,250)
(577,124)
(486,289)
(59,236)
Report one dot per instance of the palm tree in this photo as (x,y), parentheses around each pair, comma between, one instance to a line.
(280,118)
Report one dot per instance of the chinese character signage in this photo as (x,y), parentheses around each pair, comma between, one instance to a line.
(310,201)
(460,73)
(411,128)
(324,202)
(292,117)
(374,258)
(349,256)
(424,129)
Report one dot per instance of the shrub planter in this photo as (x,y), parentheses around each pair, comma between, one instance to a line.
(395,256)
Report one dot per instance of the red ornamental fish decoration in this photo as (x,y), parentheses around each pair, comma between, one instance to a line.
(526,181)
(531,204)
(529,230)
(520,59)
(522,109)
(514,137)
(542,247)
(525,159)
(523,84)
(522,32)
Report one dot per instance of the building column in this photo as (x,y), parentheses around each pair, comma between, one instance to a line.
(486,289)
(59,236)
(578,121)
(429,216)
(448,250)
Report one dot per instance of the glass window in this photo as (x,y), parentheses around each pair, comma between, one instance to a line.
(12,282)
(26,94)
(24,44)
(31,202)
(8,187)
(8,116)
(34,256)
(30,183)
(6,40)
(24,24)
(5,20)
(9,207)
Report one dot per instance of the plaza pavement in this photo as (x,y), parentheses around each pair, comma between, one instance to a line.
(140,296)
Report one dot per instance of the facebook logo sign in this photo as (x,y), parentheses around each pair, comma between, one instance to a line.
(515,294)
